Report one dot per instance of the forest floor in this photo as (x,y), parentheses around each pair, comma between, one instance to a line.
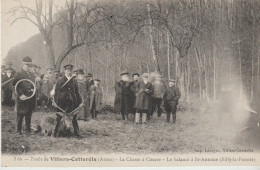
(109,134)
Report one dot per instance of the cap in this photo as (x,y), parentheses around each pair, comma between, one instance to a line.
(27,60)
(124,73)
(49,69)
(171,80)
(80,71)
(135,74)
(89,75)
(68,66)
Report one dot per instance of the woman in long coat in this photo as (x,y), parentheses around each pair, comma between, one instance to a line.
(96,96)
(84,113)
(143,99)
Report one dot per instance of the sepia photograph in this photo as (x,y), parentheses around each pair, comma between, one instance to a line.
(130,83)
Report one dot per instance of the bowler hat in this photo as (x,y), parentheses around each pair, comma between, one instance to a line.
(27,60)
(68,66)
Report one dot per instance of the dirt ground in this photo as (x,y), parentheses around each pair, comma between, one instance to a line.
(194,130)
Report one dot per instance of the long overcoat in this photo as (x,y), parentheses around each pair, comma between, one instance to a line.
(124,97)
(96,95)
(82,85)
(143,99)
(24,88)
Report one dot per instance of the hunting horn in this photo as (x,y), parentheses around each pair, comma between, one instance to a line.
(31,82)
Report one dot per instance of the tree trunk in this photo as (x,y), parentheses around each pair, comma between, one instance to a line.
(155,59)
(252,71)
(168,55)
(214,72)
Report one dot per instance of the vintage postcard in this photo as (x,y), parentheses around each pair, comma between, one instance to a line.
(131,83)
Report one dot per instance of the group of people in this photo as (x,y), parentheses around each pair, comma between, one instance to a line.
(64,92)
(144,94)
(73,90)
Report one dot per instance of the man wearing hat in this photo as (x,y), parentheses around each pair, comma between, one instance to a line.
(134,87)
(143,99)
(67,97)
(84,113)
(9,65)
(95,97)
(170,98)
(7,86)
(123,91)
(23,106)
(159,89)
(90,81)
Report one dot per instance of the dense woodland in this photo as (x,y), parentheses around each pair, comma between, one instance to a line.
(203,44)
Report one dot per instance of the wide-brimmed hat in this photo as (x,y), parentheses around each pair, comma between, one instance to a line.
(96,79)
(124,73)
(135,74)
(145,75)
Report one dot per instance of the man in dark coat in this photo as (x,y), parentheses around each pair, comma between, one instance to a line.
(159,89)
(10,65)
(7,87)
(123,91)
(67,97)
(95,98)
(134,89)
(24,106)
(84,113)
(170,98)
(90,81)
(143,99)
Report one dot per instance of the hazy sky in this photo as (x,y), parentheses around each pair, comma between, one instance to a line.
(14,34)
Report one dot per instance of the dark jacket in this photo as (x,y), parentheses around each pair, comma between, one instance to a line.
(122,98)
(67,97)
(172,95)
(143,99)
(7,89)
(24,88)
